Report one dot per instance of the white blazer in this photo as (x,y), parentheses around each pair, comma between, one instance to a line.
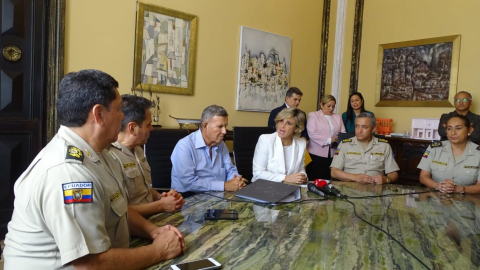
(269,158)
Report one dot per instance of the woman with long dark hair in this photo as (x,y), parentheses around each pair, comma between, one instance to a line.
(355,106)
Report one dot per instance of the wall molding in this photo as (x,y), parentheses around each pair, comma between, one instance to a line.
(55,63)
(322,72)
(356,45)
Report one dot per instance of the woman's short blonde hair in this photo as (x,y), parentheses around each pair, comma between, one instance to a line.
(327,98)
(297,114)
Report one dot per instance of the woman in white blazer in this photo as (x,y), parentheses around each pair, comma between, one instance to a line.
(323,127)
(280,156)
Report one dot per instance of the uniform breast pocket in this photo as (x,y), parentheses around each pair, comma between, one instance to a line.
(134,179)
(438,166)
(353,160)
(377,161)
(471,170)
(119,206)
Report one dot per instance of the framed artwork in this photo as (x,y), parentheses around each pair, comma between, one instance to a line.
(263,70)
(165,50)
(419,73)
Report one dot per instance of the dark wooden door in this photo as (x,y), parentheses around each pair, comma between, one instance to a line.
(22,106)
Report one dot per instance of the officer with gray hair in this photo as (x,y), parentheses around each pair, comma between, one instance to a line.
(364,158)
(201,161)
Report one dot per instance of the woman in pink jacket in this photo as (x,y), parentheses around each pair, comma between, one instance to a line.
(323,127)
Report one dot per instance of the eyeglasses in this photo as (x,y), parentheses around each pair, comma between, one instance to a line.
(464,100)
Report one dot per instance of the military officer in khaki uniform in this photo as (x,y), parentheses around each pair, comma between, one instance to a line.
(71,204)
(364,158)
(135,130)
(452,166)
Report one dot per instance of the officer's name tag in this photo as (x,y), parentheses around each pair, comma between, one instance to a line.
(78,192)
(439,163)
(470,167)
(115,196)
(128,165)
(354,153)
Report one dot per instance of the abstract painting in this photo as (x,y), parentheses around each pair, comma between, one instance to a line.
(165,44)
(418,73)
(264,70)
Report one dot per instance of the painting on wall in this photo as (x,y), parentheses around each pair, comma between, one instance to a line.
(165,46)
(418,73)
(264,70)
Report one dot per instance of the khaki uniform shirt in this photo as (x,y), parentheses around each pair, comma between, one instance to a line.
(377,159)
(136,173)
(70,202)
(439,161)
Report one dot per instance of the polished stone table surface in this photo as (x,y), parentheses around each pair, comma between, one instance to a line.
(441,230)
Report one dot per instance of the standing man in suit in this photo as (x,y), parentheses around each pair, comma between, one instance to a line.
(462,102)
(292,100)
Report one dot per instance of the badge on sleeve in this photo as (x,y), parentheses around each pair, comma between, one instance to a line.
(77,192)
(425,155)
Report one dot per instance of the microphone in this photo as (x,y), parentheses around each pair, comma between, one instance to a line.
(312,188)
(328,188)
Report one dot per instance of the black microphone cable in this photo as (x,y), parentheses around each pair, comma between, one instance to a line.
(390,195)
(389,235)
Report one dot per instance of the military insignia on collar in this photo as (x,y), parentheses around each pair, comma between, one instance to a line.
(78,192)
(382,140)
(436,144)
(74,153)
(347,140)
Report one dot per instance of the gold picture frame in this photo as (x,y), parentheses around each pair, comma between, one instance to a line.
(165,50)
(418,73)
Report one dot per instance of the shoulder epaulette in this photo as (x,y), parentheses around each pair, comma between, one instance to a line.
(383,140)
(478,148)
(436,144)
(347,140)
(74,153)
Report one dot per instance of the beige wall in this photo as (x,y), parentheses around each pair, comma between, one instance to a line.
(100,35)
(387,21)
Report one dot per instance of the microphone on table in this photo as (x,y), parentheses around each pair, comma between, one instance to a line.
(328,188)
(313,188)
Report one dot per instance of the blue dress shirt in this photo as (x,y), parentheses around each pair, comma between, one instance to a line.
(194,170)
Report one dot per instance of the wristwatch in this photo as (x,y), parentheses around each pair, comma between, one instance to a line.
(463,190)
(388,180)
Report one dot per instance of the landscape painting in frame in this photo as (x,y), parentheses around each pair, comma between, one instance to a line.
(264,70)
(165,45)
(419,73)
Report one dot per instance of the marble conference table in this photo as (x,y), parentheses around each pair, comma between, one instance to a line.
(441,230)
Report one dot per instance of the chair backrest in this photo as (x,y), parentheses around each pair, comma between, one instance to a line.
(244,142)
(158,150)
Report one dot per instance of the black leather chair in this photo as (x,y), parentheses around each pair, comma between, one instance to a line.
(244,142)
(158,150)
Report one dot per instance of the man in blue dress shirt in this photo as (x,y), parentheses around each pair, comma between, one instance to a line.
(201,161)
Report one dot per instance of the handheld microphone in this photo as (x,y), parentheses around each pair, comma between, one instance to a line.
(328,188)
(312,188)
